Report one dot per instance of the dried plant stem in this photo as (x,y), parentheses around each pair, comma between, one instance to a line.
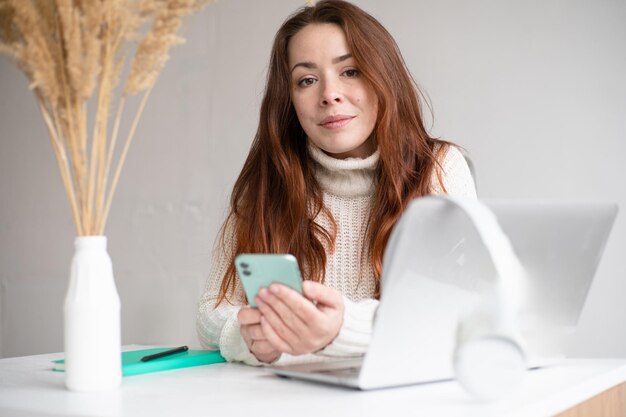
(120,163)
(62,161)
(99,139)
(106,163)
(79,137)
(76,149)
(81,112)
(99,144)
(116,127)
(69,131)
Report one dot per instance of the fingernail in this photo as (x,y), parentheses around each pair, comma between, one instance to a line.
(275,288)
(259,302)
(262,293)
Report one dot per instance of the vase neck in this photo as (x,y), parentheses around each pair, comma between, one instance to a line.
(90,242)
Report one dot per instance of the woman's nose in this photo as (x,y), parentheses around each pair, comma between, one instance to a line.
(330,94)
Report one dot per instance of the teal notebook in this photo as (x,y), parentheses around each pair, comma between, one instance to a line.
(132,364)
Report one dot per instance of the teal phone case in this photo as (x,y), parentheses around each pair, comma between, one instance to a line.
(260,270)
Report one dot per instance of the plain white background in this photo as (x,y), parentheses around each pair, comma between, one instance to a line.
(534,90)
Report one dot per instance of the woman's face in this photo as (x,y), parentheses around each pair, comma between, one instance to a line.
(336,106)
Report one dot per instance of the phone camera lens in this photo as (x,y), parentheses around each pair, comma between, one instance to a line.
(247,273)
(244,265)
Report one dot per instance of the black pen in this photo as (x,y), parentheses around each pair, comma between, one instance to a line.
(165,353)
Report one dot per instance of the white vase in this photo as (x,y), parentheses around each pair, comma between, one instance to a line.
(92,319)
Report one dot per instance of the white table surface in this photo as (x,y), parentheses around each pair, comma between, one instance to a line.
(28,387)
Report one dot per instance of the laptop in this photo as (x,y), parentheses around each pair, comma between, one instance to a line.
(435,270)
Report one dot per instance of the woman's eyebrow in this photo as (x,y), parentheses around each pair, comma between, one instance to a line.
(311,65)
(341,58)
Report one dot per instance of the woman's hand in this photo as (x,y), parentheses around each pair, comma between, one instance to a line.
(296,325)
(250,329)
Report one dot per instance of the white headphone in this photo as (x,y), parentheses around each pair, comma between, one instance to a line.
(489,358)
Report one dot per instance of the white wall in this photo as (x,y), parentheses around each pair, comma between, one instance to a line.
(534,90)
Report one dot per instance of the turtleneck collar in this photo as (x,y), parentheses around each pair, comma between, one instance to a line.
(350,177)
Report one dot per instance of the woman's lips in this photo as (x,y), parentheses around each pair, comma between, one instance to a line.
(336,122)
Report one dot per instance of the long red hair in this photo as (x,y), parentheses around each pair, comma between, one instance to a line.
(276,198)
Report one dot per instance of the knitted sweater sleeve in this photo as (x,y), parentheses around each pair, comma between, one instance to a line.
(355,333)
(218,327)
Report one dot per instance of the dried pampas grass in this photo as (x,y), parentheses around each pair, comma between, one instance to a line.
(74,53)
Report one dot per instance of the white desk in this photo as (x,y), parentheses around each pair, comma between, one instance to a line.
(29,388)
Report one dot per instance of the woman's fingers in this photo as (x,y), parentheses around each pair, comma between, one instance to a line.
(296,325)
(263,348)
(324,296)
(248,315)
(276,328)
(274,339)
(291,323)
(255,332)
(255,337)
(295,310)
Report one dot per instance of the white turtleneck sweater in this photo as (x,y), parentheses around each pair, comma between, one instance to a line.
(348,186)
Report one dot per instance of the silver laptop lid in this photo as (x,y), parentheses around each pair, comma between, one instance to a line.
(559,244)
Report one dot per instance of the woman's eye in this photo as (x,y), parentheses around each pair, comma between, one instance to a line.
(351,73)
(305,82)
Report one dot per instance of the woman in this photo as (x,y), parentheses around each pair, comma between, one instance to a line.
(340,151)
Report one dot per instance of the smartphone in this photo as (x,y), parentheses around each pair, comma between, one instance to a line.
(260,270)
